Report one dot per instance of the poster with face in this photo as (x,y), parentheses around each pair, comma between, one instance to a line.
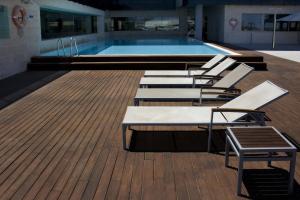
(233,22)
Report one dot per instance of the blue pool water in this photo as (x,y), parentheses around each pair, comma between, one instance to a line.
(174,46)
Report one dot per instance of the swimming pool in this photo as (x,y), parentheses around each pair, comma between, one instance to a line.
(174,46)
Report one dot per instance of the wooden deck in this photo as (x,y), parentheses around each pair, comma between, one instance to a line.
(63,141)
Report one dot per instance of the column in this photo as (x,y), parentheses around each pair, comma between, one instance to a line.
(198,21)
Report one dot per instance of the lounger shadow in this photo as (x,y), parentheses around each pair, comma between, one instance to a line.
(175,141)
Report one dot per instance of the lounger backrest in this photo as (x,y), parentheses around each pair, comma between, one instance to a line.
(217,70)
(233,77)
(254,99)
(213,62)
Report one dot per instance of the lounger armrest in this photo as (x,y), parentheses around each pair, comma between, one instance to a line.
(238,110)
(224,94)
(207,77)
(226,90)
(195,65)
(198,69)
(258,116)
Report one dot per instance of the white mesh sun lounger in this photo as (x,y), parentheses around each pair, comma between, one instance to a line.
(186,81)
(231,113)
(221,90)
(183,73)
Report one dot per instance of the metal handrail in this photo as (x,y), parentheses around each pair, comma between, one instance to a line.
(73,41)
(60,43)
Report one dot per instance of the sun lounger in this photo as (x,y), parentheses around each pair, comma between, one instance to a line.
(205,78)
(221,90)
(242,110)
(183,73)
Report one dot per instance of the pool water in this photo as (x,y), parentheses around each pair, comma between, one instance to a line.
(174,46)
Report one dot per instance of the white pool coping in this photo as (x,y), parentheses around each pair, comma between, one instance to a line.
(222,49)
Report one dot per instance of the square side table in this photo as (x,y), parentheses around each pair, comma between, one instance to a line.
(266,139)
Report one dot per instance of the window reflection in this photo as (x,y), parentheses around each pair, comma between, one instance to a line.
(4,22)
(255,22)
(269,23)
(61,24)
(282,26)
(252,22)
(142,24)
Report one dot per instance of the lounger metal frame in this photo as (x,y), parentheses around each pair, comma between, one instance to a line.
(258,118)
(228,94)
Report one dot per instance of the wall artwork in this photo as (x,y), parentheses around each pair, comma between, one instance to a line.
(233,22)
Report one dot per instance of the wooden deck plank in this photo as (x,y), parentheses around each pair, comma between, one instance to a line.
(84,155)
(54,148)
(64,141)
(46,117)
(32,147)
(91,162)
(28,122)
(68,158)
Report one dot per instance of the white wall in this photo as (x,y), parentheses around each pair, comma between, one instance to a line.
(181,13)
(237,36)
(16,51)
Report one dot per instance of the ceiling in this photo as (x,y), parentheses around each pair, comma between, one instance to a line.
(171,4)
(129,4)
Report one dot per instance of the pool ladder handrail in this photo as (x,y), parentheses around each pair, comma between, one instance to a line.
(73,41)
(60,43)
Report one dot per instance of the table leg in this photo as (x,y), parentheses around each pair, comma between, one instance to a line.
(240,175)
(124,128)
(227,152)
(209,137)
(270,161)
(292,172)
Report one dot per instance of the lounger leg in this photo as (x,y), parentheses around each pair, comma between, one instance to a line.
(194,82)
(270,161)
(124,128)
(209,138)
(240,175)
(136,102)
(227,152)
(292,172)
(210,132)
(200,99)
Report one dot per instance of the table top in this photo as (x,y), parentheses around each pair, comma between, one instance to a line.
(247,138)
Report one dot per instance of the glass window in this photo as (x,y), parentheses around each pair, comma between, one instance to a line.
(57,24)
(269,22)
(293,26)
(282,26)
(252,22)
(191,23)
(94,24)
(4,25)
(142,24)
(298,26)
